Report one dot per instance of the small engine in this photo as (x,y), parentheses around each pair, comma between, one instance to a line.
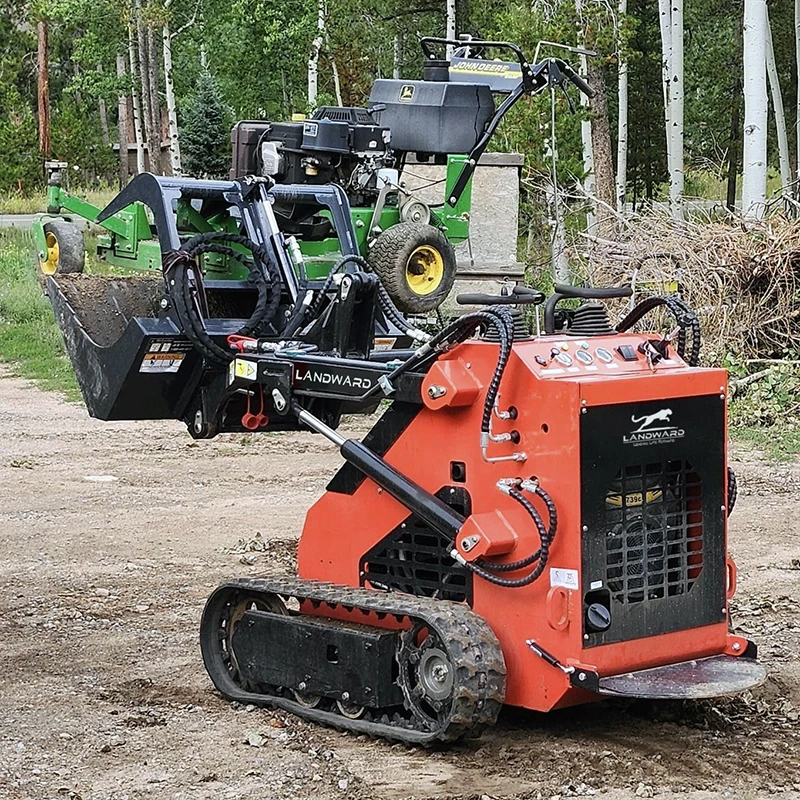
(337,145)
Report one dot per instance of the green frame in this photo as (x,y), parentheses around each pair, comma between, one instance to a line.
(129,242)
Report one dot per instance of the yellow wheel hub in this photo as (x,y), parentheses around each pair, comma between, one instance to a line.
(425,270)
(50,264)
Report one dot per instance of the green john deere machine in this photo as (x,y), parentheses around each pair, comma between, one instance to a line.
(369,154)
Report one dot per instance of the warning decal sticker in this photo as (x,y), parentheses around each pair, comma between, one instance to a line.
(162,362)
(165,355)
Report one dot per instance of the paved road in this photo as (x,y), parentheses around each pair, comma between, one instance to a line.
(21,221)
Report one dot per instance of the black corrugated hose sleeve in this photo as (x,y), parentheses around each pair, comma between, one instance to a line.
(684,316)
(544,551)
(526,562)
(262,310)
(456,332)
(264,273)
(463,327)
(502,322)
(733,490)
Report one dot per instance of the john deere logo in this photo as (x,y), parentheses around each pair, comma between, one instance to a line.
(406,93)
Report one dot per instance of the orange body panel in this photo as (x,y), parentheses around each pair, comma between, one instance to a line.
(549,400)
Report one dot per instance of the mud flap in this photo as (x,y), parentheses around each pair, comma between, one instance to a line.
(715,676)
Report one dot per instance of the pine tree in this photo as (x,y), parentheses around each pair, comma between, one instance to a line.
(205,132)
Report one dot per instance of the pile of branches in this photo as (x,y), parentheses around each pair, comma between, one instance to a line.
(742,277)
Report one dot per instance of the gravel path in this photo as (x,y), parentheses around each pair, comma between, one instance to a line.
(112,535)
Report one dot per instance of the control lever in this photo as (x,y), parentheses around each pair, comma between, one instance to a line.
(655,350)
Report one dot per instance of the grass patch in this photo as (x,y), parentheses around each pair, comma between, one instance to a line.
(37,203)
(29,338)
(780,444)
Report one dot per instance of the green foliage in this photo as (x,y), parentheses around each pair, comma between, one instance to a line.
(28,334)
(773,399)
(205,131)
(20,167)
(776,442)
(76,139)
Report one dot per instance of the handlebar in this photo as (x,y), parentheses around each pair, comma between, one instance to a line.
(519,295)
(534,78)
(562,292)
(592,292)
(428,40)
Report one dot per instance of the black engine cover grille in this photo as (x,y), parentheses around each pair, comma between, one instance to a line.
(653,529)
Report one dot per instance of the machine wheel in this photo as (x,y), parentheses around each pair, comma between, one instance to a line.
(65,249)
(417,265)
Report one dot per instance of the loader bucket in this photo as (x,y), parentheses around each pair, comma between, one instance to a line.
(129,362)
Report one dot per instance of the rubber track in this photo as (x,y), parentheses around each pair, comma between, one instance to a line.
(479,690)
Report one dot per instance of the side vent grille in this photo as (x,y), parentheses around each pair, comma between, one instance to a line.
(414,558)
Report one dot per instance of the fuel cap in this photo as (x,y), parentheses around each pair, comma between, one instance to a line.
(598,617)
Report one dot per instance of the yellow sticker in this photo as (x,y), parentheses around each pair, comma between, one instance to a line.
(634,498)
(245,369)
(406,93)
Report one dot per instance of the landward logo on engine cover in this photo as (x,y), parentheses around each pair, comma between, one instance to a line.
(652,428)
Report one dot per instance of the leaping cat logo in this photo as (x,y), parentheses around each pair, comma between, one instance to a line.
(646,421)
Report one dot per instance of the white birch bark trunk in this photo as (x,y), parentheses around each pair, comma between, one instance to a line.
(337,86)
(676,176)
(137,112)
(754,181)
(797,107)
(622,117)
(172,113)
(313,58)
(664,20)
(559,262)
(397,55)
(780,115)
(155,103)
(450,25)
(101,110)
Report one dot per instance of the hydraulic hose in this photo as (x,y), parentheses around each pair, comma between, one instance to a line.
(263,273)
(551,535)
(352,258)
(684,316)
(543,551)
(733,490)
(183,292)
(458,331)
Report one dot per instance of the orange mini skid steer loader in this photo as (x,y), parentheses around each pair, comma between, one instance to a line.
(537,520)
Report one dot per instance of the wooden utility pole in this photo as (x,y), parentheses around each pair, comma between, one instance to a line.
(122,116)
(43,89)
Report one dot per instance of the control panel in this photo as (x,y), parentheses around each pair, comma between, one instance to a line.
(559,356)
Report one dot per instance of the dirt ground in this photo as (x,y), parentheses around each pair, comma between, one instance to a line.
(103,694)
